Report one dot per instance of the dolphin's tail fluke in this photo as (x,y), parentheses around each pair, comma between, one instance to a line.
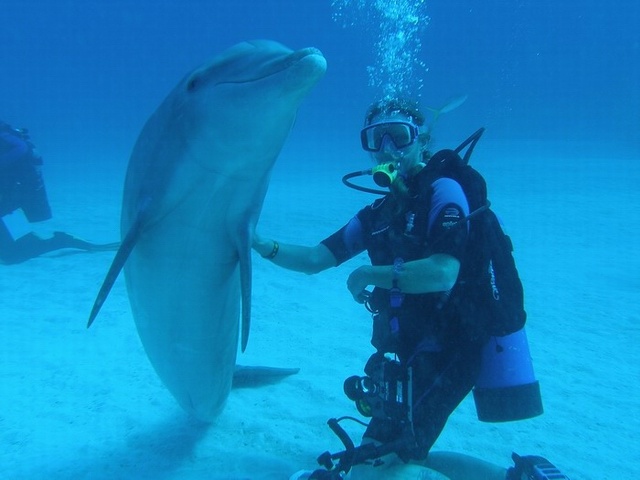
(116,266)
(246,377)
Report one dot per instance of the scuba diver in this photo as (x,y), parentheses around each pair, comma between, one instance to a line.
(409,280)
(417,237)
(22,188)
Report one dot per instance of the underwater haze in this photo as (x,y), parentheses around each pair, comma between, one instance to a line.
(89,71)
(555,84)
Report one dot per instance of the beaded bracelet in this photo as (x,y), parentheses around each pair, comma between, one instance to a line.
(274,251)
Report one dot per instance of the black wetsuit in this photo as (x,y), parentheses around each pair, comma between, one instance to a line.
(431,339)
(22,187)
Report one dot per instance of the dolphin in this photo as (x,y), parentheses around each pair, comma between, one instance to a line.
(194,189)
(439,465)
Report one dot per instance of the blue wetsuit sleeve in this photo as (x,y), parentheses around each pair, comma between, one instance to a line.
(448,205)
(11,148)
(346,242)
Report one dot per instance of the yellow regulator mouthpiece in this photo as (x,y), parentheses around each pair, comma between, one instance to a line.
(384,174)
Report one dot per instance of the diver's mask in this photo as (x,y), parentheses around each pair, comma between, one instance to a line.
(402,134)
(374,137)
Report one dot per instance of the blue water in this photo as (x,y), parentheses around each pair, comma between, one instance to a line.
(554,82)
(94,70)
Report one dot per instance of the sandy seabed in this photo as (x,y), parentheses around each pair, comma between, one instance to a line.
(78,403)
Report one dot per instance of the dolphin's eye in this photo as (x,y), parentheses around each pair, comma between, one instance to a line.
(193,83)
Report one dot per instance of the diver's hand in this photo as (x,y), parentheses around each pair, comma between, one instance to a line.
(357,283)
(257,241)
(261,245)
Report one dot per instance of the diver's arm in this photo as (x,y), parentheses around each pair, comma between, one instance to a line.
(437,273)
(295,257)
(12,148)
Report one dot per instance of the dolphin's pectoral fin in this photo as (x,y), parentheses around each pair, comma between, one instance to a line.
(118,262)
(246,377)
(244,254)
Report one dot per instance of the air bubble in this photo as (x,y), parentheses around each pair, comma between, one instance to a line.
(396,26)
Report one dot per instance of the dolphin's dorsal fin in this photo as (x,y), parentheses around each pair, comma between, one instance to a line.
(118,262)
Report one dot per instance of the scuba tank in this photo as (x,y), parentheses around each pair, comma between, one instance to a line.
(506,389)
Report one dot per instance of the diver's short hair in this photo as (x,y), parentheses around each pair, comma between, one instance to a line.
(392,105)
